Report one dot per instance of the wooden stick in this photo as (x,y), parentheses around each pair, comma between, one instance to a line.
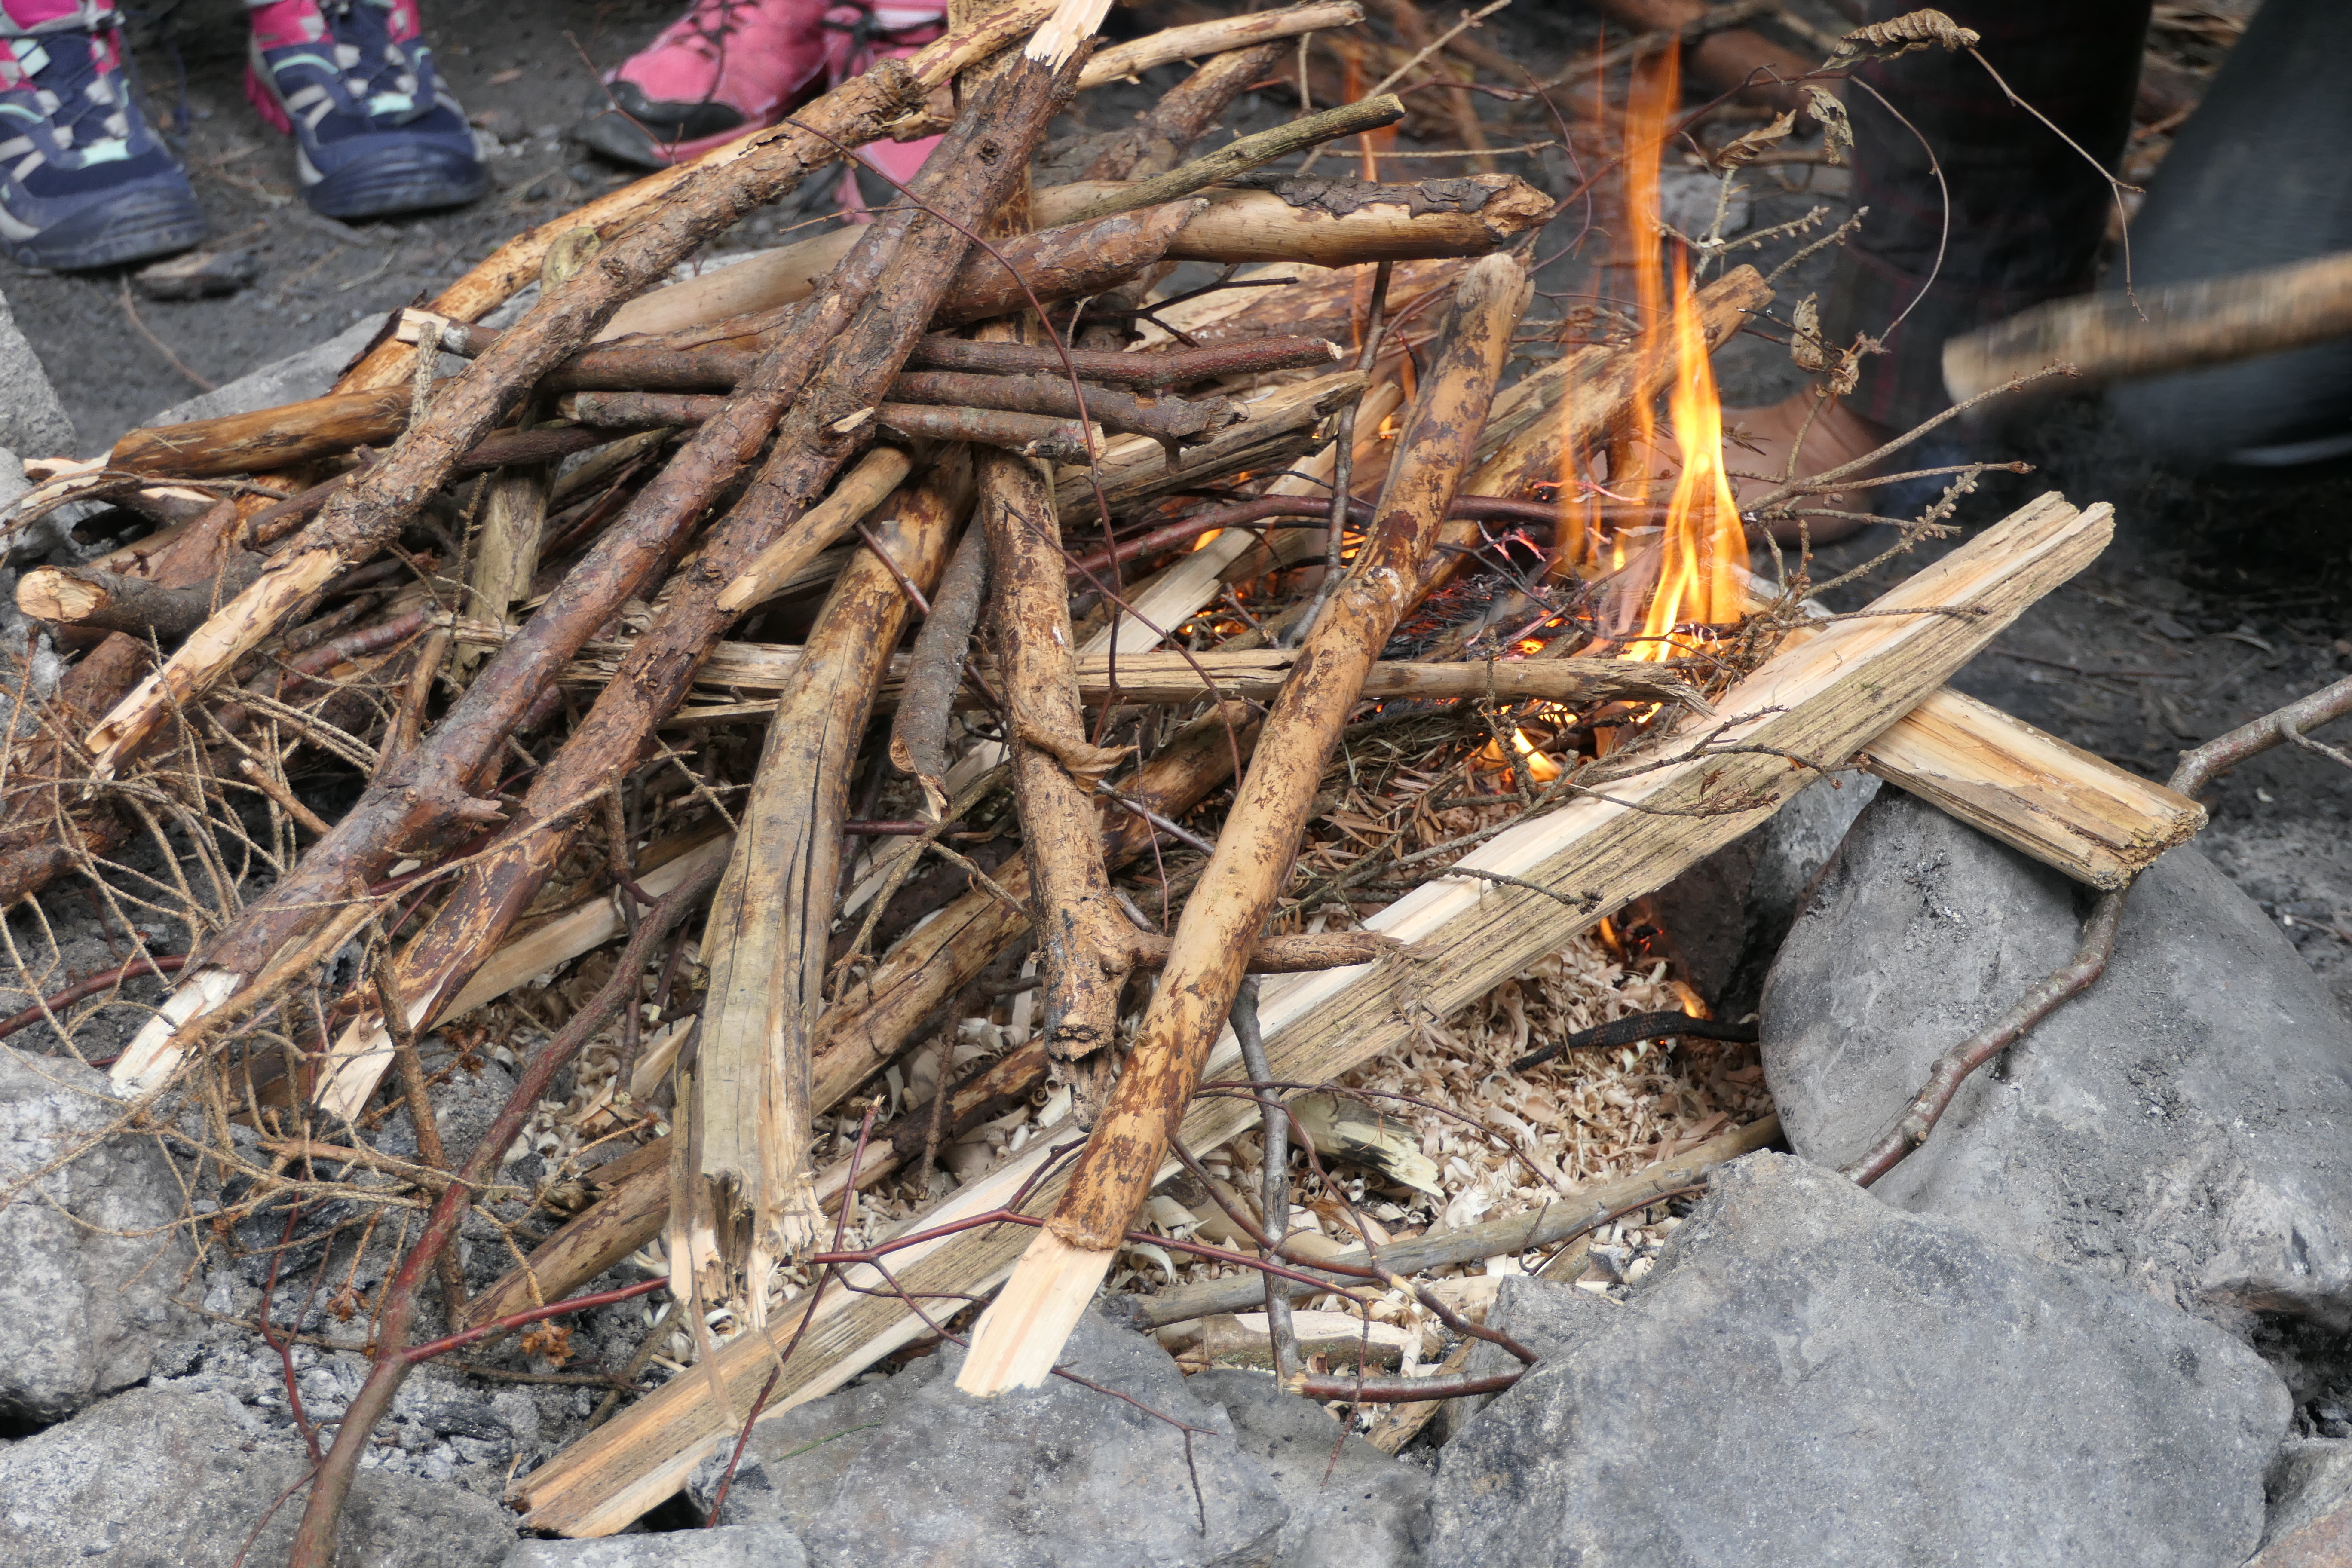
(1172,679)
(1154,372)
(765,941)
(1084,937)
(1337,225)
(1241,155)
(1023,434)
(1165,419)
(858,492)
(2062,806)
(108,601)
(2109,337)
(506,550)
(1009,114)
(1202,38)
(1017,1341)
(934,672)
(357,520)
(1824,699)
(880,98)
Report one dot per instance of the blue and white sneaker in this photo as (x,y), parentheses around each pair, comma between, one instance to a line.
(374,130)
(84,180)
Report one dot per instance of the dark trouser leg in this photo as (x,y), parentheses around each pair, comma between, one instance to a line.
(2256,178)
(2026,211)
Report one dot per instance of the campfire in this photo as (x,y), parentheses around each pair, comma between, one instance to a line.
(967,763)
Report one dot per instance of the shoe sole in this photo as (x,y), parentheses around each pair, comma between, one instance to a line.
(401,181)
(134,228)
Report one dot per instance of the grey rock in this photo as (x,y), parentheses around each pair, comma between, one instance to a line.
(1724,919)
(794,1461)
(32,419)
(1550,1320)
(154,1479)
(1811,1377)
(729,1546)
(1056,1477)
(297,377)
(2178,1127)
(2310,1522)
(85,1298)
(1355,1508)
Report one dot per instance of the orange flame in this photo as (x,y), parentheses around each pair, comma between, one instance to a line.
(1703,543)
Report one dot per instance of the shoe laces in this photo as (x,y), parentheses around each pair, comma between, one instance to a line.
(712,24)
(370,68)
(86,102)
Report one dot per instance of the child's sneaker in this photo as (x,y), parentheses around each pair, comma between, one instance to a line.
(728,68)
(374,130)
(84,181)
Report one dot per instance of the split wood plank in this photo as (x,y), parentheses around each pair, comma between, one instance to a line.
(764,943)
(2064,807)
(1824,699)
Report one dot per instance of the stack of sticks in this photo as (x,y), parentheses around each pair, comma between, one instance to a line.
(930,458)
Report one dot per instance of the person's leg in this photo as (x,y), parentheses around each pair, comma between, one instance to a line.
(2021,222)
(2256,178)
(84,180)
(375,130)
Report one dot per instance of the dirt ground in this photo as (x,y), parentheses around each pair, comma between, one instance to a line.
(2219,600)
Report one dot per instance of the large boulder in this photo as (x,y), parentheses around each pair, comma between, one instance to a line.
(1351,1506)
(33,420)
(85,1299)
(154,1479)
(1809,1376)
(2178,1127)
(1058,1476)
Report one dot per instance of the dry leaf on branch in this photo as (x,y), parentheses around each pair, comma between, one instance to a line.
(1912,30)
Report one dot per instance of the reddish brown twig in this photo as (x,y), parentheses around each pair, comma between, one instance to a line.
(314,1537)
(105,979)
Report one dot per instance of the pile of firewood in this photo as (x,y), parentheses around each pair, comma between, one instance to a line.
(504,598)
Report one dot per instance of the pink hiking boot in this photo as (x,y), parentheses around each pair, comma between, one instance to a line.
(728,68)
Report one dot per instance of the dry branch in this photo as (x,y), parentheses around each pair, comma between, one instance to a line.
(1017,1341)
(1336,222)
(834,364)
(766,942)
(2107,337)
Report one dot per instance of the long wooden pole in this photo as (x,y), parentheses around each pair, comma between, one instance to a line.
(1019,1339)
